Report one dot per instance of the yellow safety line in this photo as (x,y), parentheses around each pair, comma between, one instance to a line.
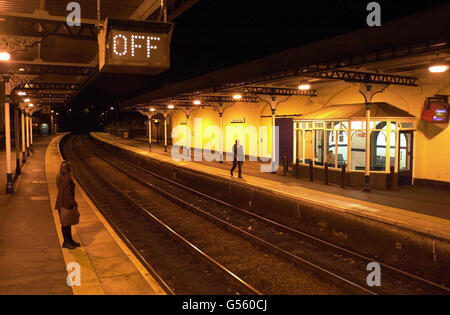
(142,270)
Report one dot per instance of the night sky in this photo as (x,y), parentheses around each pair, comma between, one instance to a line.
(216,34)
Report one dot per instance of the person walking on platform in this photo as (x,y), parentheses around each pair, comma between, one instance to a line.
(238,158)
(66,205)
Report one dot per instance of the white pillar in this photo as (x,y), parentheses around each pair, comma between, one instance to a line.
(188,137)
(9,185)
(165,133)
(273,150)
(221,140)
(150,133)
(51,124)
(24,155)
(16,140)
(27,125)
(31,132)
(367,172)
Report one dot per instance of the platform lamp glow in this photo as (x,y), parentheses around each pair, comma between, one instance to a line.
(197,102)
(5,56)
(237,97)
(438,65)
(4,59)
(304,87)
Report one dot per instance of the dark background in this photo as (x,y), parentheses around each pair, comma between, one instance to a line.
(216,34)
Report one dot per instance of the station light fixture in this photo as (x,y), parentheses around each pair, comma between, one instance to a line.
(21,69)
(170,106)
(111,108)
(237,97)
(438,65)
(30,105)
(27,100)
(304,87)
(152,109)
(5,56)
(21,93)
(197,102)
(53,111)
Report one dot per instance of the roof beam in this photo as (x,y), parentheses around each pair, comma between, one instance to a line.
(37,27)
(214,99)
(277,91)
(48,86)
(49,95)
(40,69)
(365,77)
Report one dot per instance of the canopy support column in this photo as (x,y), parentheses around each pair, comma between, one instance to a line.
(16,134)
(31,131)
(369,91)
(272,101)
(22,115)
(27,125)
(165,133)
(367,166)
(3,100)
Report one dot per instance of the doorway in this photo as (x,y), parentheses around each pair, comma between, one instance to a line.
(405,158)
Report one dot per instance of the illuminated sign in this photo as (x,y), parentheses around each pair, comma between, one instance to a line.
(128,46)
(435,111)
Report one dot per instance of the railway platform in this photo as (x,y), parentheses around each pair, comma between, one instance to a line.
(390,224)
(31,258)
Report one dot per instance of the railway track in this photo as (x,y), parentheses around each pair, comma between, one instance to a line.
(338,268)
(177,265)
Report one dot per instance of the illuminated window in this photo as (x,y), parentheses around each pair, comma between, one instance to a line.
(318,147)
(358,152)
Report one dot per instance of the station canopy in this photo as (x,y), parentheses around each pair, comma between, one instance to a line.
(388,55)
(357,111)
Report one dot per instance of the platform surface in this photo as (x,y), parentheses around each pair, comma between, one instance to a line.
(421,210)
(31,258)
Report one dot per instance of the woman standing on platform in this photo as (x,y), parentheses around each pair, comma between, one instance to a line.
(66,205)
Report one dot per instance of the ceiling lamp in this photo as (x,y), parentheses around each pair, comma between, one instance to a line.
(31,105)
(197,102)
(21,93)
(304,87)
(4,56)
(152,109)
(438,65)
(170,106)
(27,100)
(237,97)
